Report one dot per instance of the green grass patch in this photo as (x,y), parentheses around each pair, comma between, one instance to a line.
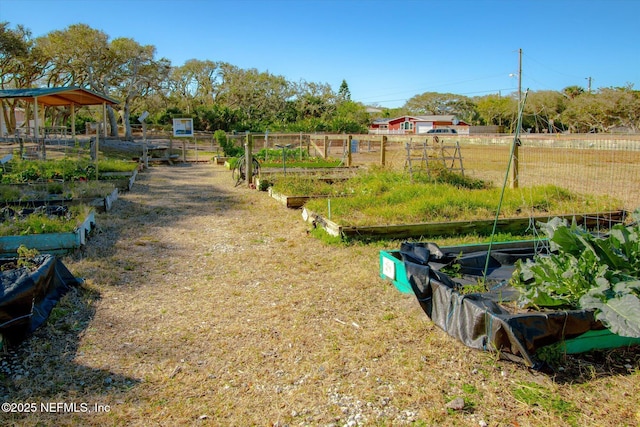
(41,223)
(534,394)
(387,197)
(23,171)
(274,161)
(305,186)
(71,190)
(317,163)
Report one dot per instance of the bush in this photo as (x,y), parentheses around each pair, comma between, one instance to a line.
(228,148)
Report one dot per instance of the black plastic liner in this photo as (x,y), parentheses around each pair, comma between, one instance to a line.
(28,295)
(481,320)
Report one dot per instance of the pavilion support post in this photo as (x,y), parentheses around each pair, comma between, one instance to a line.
(104,119)
(97,148)
(73,122)
(36,128)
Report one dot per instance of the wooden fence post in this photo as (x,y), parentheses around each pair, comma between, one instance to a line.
(300,145)
(349,139)
(383,147)
(326,146)
(248,148)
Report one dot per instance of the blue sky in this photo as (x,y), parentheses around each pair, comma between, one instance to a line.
(386,50)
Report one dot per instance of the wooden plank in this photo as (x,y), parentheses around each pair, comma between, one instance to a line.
(110,199)
(329,226)
(220,160)
(431,229)
(496,246)
(294,202)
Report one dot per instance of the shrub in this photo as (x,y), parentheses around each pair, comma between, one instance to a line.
(228,148)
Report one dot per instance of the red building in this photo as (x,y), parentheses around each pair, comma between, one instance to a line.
(404,125)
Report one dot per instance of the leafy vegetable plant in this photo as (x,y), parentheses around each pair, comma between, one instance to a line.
(587,272)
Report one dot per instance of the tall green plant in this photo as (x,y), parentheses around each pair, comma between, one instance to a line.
(227,146)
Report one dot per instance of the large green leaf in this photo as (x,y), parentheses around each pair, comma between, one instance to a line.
(588,272)
(620,314)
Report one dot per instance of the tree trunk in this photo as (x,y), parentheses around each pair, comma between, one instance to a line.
(6,120)
(125,118)
(113,121)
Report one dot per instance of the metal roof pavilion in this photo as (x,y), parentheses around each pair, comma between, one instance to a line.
(58,96)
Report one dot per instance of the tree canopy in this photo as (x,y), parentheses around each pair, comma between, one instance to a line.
(219,95)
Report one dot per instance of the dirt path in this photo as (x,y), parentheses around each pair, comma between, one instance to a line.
(208,304)
(214,303)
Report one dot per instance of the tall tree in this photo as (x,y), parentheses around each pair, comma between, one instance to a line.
(14,46)
(135,73)
(196,83)
(344,94)
(260,96)
(572,91)
(496,109)
(622,106)
(604,110)
(350,117)
(79,56)
(21,65)
(313,100)
(440,104)
(544,110)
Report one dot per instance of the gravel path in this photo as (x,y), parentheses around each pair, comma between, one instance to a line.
(212,302)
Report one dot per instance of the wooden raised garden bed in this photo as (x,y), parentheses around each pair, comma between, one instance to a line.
(101,203)
(122,180)
(220,160)
(432,229)
(51,243)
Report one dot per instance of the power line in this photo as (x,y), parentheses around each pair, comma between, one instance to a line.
(431,88)
(380,101)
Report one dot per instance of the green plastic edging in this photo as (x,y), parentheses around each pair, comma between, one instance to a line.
(597,340)
(392,268)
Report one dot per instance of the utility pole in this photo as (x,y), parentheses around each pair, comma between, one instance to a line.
(515,152)
(589,86)
(519,76)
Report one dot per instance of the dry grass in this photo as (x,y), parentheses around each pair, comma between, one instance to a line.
(209,304)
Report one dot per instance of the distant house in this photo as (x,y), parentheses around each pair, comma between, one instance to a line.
(405,125)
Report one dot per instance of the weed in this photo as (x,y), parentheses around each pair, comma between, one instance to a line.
(326,238)
(552,355)
(26,257)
